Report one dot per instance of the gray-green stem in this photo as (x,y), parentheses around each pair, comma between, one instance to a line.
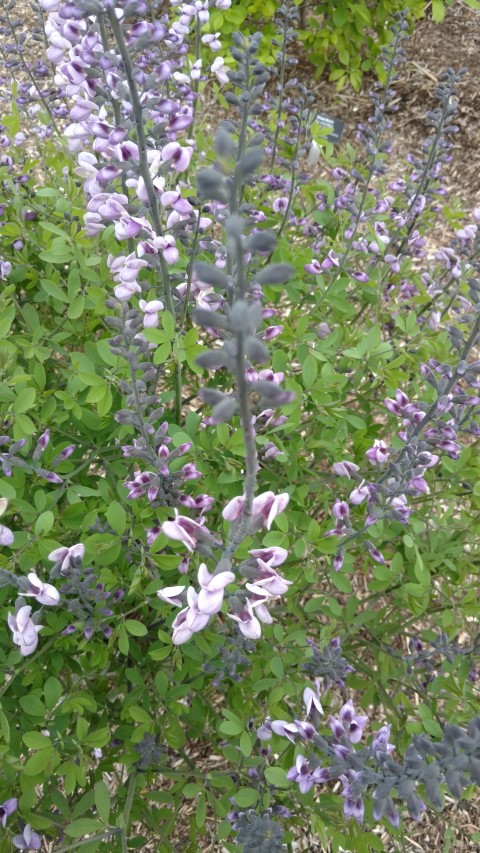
(149,187)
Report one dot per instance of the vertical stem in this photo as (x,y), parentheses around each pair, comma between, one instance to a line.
(145,172)
(197,56)
(292,180)
(32,78)
(280,98)
(251,463)
(127,809)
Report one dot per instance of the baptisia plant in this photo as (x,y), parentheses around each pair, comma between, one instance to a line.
(141,290)
(138,150)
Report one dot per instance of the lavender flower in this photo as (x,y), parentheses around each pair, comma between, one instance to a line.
(25,632)
(212,589)
(305,775)
(184,530)
(44,593)
(65,558)
(348,723)
(6,809)
(28,839)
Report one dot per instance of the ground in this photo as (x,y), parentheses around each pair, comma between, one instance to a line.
(434,47)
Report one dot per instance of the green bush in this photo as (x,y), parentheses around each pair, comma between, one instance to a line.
(340,38)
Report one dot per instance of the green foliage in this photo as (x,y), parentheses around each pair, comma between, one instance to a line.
(344,39)
(97,734)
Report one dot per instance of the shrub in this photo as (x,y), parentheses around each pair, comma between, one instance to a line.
(152,429)
(345,39)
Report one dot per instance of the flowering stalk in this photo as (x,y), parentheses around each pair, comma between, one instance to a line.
(392,55)
(372,769)
(386,496)
(142,147)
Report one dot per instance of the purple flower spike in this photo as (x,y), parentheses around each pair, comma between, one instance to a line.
(345,469)
(64,454)
(313,268)
(183,529)
(378,453)
(67,557)
(41,444)
(348,723)
(172,595)
(247,622)
(312,701)
(49,476)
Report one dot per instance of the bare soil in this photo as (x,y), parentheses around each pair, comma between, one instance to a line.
(454,43)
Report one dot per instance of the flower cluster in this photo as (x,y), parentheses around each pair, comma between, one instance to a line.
(248,608)
(372,769)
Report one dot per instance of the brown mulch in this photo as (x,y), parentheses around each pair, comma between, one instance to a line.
(434,47)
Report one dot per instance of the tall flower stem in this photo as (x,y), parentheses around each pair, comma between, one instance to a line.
(251,462)
(127,809)
(145,172)
(429,415)
(293,176)
(30,75)
(280,97)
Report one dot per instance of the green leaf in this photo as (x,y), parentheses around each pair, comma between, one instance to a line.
(162,353)
(76,308)
(231,728)
(245,744)
(35,740)
(24,426)
(32,705)
(25,400)
(52,690)
(54,229)
(117,517)
(246,797)
(4,726)
(201,811)
(102,801)
(99,738)
(6,322)
(161,683)
(139,715)
(438,11)
(135,628)
(44,523)
(38,762)
(123,643)
(160,654)
(276,776)
(309,371)
(168,324)
(53,289)
(83,826)
(191,789)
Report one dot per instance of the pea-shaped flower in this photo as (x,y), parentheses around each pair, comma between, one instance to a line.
(44,593)
(28,839)
(25,633)
(150,311)
(212,588)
